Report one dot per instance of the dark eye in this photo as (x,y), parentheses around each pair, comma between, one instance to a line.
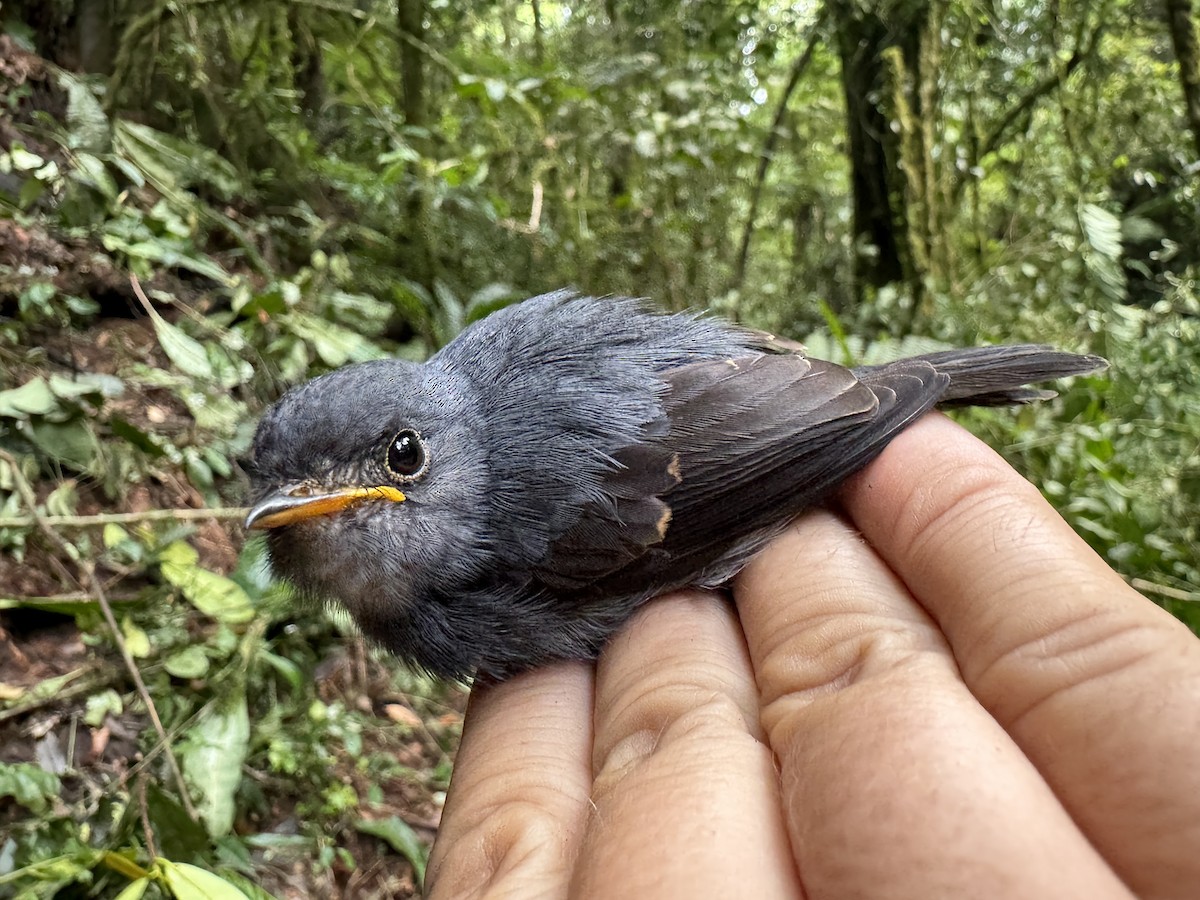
(406,457)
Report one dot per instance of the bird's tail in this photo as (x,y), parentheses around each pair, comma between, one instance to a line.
(998,376)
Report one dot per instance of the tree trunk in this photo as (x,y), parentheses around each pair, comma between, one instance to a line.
(878,229)
(416,251)
(539,51)
(308,70)
(410,18)
(891,112)
(1183,36)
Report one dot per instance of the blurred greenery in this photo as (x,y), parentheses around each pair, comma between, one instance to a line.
(297,186)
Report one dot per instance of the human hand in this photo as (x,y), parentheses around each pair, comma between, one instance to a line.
(968,702)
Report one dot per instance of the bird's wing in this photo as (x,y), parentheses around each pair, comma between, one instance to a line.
(745,444)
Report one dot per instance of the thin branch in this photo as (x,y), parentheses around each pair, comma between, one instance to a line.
(768,151)
(1050,82)
(185,514)
(88,569)
(1162,590)
(106,678)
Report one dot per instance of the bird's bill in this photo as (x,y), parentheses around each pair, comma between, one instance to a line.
(283,508)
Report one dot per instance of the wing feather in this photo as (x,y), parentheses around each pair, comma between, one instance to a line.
(748,443)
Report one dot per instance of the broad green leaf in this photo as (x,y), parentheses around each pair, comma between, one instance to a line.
(151,444)
(247,887)
(92,172)
(401,837)
(63,500)
(215,411)
(72,443)
(178,836)
(286,668)
(85,384)
(187,353)
(228,369)
(29,785)
(1102,229)
(212,759)
(175,161)
(335,346)
(88,124)
(191,662)
(134,890)
(137,641)
(23,160)
(188,882)
(113,535)
(105,703)
(212,594)
(33,398)
(646,143)
(30,191)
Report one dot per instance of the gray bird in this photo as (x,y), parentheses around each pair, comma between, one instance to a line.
(515,498)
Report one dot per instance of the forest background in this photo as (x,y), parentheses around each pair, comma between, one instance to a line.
(204,201)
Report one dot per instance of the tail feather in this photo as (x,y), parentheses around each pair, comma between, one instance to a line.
(998,376)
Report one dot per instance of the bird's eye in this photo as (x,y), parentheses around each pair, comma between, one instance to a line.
(406,456)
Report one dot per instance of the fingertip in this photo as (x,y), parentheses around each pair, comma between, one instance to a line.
(519,796)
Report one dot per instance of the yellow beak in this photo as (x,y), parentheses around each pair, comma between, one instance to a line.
(283,508)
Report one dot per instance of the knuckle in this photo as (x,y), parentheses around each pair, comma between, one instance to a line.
(1033,669)
(668,717)
(839,653)
(971,491)
(517,842)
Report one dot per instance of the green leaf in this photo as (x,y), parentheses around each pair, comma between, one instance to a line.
(134,890)
(63,500)
(37,296)
(23,160)
(86,384)
(137,641)
(30,785)
(490,298)
(92,172)
(187,353)
(150,444)
(212,594)
(401,837)
(33,398)
(191,662)
(114,535)
(335,345)
(81,306)
(1102,229)
(228,369)
(248,887)
(188,882)
(89,126)
(99,706)
(178,836)
(72,443)
(212,760)
(646,143)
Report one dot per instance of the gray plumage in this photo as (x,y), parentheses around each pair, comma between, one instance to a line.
(584,455)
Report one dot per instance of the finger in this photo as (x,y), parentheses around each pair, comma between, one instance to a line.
(1100,688)
(686,797)
(895,781)
(517,804)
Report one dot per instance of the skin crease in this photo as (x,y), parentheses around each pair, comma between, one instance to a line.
(957,699)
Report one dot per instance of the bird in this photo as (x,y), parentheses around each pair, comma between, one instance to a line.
(512,500)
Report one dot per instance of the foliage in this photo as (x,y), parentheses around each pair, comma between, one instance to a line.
(302,185)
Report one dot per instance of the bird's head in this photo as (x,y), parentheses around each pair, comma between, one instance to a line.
(370,486)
